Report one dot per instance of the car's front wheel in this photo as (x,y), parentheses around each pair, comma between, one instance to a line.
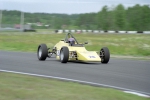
(64,54)
(42,52)
(104,55)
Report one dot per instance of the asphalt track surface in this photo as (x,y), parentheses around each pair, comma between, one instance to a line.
(124,73)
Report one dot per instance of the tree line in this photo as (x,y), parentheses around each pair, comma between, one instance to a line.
(135,18)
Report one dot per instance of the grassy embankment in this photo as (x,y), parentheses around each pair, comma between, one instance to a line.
(119,44)
(23,87)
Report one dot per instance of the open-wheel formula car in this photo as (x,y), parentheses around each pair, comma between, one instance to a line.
(69,49)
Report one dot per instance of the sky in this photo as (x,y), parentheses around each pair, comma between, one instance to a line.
(65,6)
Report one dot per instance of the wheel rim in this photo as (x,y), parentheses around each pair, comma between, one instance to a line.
(40,52)
(102,55)
(61,55)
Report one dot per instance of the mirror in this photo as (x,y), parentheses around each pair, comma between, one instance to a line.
(85,42)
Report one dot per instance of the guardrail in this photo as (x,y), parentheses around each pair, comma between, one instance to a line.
(102,31)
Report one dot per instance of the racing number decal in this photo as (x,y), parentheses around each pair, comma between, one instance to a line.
(92,57)
(58,52)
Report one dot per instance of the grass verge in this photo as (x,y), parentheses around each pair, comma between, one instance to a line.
(119,44)
(24,87)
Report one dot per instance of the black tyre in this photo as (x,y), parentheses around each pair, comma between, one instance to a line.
(42,52)
(104,55)
(64,54)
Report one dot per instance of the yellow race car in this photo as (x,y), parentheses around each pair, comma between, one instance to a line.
(69,49)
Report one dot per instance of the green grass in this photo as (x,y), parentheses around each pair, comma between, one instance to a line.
(24,87)
(119,44)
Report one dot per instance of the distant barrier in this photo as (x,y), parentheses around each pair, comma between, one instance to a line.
(102,31)
(9,29)
(16,27)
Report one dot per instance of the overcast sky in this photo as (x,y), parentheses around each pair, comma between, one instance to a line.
(65,6)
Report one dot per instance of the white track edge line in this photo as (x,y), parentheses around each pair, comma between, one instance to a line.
(79,81)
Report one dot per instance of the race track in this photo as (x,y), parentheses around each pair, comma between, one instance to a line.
(124,73)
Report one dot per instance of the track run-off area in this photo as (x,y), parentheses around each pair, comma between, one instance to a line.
(124,74)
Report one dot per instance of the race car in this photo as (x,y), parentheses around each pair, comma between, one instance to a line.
(69,49)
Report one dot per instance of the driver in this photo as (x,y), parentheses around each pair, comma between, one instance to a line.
(71,41)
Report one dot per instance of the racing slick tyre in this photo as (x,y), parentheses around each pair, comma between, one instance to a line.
(104,55)
(42,52)
(64,54)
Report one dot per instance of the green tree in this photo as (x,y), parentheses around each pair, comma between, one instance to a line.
(138,17)
(116,18)
(86,21)
(145,24)
(103,21)
(120,17)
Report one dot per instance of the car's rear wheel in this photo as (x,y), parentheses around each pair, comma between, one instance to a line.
(64,54)
(104,55)
(42,52)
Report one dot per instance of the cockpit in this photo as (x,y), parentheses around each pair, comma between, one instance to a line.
(71,40)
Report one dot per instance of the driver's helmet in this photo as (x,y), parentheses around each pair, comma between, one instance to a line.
(71,41)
